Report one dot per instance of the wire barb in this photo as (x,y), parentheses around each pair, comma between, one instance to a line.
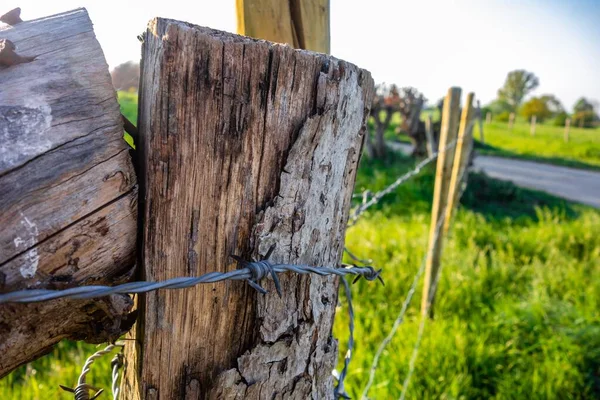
(83,389)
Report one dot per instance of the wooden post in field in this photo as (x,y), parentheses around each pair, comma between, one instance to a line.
(244,145)
(479,119)
(488,118)
(567,126)
(511,120)
(429,135)
(532,128)
(445,161)
(464,145)
(303,24)
(68,197)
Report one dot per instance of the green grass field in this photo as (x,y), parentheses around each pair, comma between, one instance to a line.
(516,312)
(548,144)
(517,306)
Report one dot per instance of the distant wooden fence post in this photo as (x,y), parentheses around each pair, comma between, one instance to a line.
(532,128)
(567,126)
(429,135)
(244,144)
(488,118)
(479,119)
(301,24)
(511,120)
(445,161)
(464,146)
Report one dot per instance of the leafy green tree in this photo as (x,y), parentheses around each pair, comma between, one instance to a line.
(561,118)
(582,105)
(499,106)
(536,106)
(553,104)
(518,84)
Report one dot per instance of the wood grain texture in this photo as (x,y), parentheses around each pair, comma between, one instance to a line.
(68,204)
(462,154)
(246,144)
(303,24)
(445,160)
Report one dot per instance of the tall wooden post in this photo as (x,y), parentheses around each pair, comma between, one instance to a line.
(464,144)
(488,118)
(304,24)
(429,135)
(532,128)
(511,120)
(448,133)
(567,126)
(479,119)
(244,144)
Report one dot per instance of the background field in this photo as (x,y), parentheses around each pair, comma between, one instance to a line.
(548,144)
(517,306)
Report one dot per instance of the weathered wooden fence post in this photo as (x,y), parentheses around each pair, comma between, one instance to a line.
(567,126)
(429,135)
(511,120)
(68,198)
(464,145)
(448,133)
(480,120)
(532,128)
(245,144)
(303,24)
(488,118)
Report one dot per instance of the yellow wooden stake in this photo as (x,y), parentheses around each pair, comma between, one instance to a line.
(567,126)
(448,133)
(303,24)
(464,145)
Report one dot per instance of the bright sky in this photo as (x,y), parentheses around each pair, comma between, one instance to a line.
(428,44)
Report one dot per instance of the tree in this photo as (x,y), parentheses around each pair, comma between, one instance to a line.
(518,84)
(553,104)
(584,113)
(126,76)
(543,107)
(582,105)
(386,102)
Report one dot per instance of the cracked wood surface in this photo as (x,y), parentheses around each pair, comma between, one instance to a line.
(68,200)
(245,144)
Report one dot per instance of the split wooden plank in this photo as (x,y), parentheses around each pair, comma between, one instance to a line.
(68,204)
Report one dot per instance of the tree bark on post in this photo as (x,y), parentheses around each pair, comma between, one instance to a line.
(245,144)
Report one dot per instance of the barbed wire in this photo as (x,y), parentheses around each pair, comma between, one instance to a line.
(339,390)
(376,197)
(400,318)
(82,390)
(252,272)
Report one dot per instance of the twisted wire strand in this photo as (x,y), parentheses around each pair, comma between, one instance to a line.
(339,390)
(252,272)
(82,390)
(117,364)
(400,318)
(376,197)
